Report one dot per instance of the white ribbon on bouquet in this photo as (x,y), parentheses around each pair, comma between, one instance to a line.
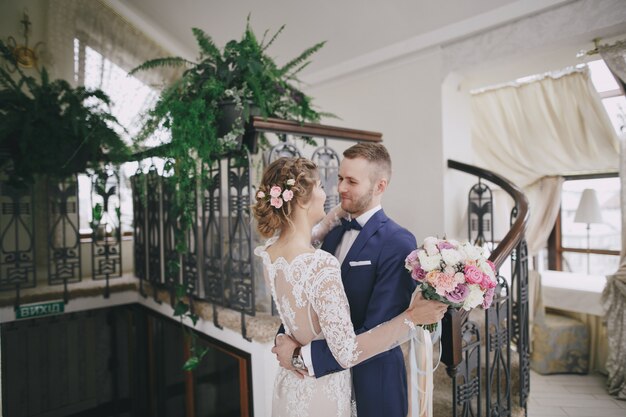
(422,369)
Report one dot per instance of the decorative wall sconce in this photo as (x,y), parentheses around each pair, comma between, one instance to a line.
(24,55)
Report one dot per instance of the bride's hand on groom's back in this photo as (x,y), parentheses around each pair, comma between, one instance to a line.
(423,311)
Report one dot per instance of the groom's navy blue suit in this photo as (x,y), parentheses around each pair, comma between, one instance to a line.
(377,292)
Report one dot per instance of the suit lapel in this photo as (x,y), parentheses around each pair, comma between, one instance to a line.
(373,224)
(332,240)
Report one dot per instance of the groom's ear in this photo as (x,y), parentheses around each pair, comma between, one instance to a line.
(381,186)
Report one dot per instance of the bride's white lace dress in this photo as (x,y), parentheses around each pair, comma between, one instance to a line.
(309,296)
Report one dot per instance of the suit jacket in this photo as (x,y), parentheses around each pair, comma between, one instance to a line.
(376,292)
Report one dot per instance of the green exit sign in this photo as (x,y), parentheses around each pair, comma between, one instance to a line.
(38,310)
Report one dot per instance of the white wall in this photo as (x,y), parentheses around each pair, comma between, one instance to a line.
(401,101)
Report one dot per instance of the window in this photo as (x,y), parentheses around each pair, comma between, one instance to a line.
(570,248)
(612,97)
(598,251)
(130,97)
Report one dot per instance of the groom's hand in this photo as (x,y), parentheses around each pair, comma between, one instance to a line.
(283,349)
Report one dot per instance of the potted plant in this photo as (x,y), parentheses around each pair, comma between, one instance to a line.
(49,128)
(215,96)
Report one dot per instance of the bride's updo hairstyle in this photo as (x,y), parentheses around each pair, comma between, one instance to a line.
(296,178)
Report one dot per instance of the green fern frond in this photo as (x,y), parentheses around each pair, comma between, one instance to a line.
(207,46)
(300,59)
(278,32)
(173,62)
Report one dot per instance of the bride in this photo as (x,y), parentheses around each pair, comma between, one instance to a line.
(308,292)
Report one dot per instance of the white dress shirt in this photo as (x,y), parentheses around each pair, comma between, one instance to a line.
(342,250)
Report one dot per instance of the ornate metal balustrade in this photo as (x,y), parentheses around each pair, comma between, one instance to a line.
(488,386)
(219,265)
(40,233)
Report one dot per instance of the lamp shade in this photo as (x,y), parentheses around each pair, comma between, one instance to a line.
(588,210)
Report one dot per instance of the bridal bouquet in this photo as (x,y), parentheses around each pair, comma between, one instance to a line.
(454,273)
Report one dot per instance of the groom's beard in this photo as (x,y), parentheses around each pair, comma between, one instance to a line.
(358,206)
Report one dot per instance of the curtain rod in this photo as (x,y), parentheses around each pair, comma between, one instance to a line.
(596,50)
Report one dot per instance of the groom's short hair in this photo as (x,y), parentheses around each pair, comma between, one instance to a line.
(375,153)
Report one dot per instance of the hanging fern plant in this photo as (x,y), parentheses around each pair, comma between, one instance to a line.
(48,128)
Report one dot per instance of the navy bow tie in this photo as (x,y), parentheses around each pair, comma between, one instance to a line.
(350,225)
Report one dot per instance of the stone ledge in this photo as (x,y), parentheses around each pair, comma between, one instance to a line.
(261,328)
(81,289)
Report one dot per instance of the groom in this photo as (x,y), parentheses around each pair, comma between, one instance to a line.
(371,250)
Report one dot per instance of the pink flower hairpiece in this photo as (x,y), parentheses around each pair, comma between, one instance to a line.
(277,195)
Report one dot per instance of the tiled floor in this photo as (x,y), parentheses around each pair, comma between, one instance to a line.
(572,395)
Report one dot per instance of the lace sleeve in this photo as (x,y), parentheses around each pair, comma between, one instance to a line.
(328,223)
(329,301)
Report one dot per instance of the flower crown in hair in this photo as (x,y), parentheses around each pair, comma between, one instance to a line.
(278,196)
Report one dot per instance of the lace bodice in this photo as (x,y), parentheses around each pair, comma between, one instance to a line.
(311,301)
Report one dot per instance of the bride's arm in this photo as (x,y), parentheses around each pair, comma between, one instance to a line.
(328,223)
(331,305)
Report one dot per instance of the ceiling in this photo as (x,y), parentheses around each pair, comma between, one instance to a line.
(352,28)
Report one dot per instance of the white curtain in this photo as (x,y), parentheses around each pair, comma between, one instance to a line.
(545,195)
(614,295)
(550,127)
(534,132)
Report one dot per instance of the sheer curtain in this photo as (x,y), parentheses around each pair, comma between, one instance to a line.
(614,295)
(549,127)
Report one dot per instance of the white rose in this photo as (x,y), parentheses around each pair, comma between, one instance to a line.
(474,298)
(484,266)
(451,256)
(449,270)
(430,245)
(470,251)
(429,263)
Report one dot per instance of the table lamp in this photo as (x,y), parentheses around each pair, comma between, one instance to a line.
(588,212)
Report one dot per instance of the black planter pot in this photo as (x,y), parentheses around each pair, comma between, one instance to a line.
(229,116)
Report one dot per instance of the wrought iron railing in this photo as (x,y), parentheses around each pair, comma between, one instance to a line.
(506,322)
(40,235)
(219,267)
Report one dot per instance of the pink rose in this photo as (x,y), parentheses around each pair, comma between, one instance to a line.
(488,298)
(260,195)
(287,195)
(275,191)
(473,275)
(276,202)
(418,274)
(487,282)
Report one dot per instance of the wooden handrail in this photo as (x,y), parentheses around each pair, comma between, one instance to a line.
(261,124)
(290,127)
(516,233)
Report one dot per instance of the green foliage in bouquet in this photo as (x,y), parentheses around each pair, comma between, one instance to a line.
(50,129)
